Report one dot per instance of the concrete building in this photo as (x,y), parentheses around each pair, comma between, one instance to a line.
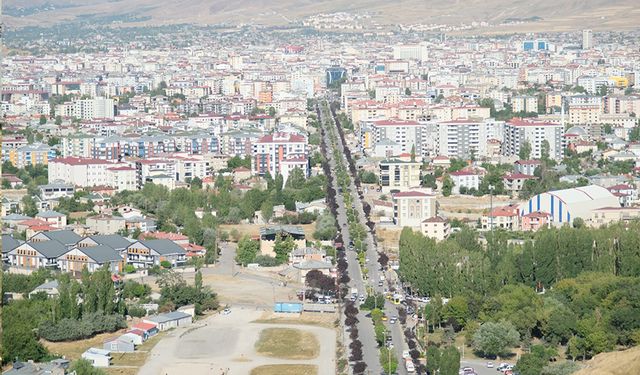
(411,208)
(436,227)
(396,174)
(587,39)
(610,215)
(106,224)
(32,154)
(519,131)
(270,151)
(525,103)
(465,178)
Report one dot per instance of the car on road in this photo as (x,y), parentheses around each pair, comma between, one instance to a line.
(226,311)
(502,366)
(489,364)
(380,283)
(406,354)
(392,320)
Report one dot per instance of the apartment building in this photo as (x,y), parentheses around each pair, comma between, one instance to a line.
(407,134)
(411,208)
(31,154)
(80,171)
(519,131)
(525,103)
(396,174)
(465,138)
(436,227)
(97,108)
(270,151)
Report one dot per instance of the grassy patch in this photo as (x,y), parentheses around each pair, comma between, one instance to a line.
(73,350)
(285,370)
(287,343)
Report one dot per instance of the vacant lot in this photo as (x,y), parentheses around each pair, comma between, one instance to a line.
(285,370)
(287,343)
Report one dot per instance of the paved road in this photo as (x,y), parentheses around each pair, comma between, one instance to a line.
(372,265)
(365,325)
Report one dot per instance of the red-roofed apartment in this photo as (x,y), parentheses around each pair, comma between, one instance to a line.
(271,151)
(502,217)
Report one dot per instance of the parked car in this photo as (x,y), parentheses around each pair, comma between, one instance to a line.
(489,364)
(226,311)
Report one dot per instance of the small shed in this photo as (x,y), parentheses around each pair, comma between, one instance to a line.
(98,357)
(149,328)
(138,336)
(170,320)
(121,344)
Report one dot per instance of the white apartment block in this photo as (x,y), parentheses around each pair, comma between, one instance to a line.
(410,52)
(270,151)
(525,103)
(407,134)
(122,178)
(467,179)
(464,138)
(517,132)
(98,108)
(80,171)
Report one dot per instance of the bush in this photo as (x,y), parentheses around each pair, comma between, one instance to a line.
(266,261)
(89,325)
(136,311)
(165,264)
(129,268)
(155,270)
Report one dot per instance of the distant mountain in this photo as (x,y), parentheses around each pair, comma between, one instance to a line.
(547,14)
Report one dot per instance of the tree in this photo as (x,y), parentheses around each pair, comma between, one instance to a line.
(272,112)
(84,367)
(449,361)
(196,183)
(447,185)
(247,250)
(58,120)
(43,119)
(266,210)
(29,206)
(296,179)
(283,246)
(545,150)
(326,228)
(525,151)
(407,91)
(494,339)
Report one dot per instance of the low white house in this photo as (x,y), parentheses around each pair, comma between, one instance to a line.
(98,357)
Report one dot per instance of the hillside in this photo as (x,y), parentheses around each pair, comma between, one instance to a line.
(614,363)
(564,15)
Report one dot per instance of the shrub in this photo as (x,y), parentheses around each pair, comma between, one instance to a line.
(165,264)
(266,261)
(129,268)
(89,325)
(136,311)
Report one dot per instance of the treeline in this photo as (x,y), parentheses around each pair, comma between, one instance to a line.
(80,311)
(573,286)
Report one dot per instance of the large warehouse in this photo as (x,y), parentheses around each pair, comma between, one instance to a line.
(566,205)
